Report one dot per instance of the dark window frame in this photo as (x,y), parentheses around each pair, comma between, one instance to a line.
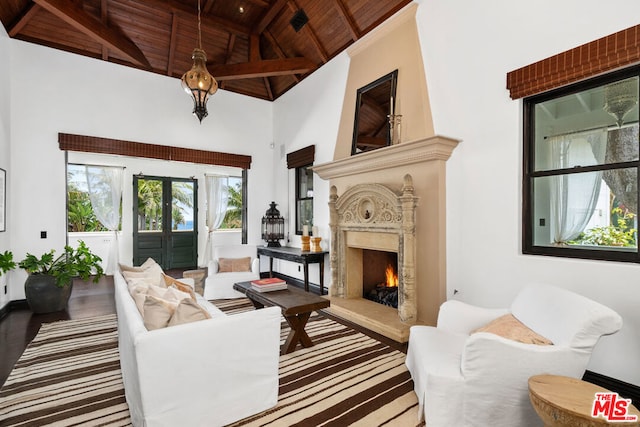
(528,173)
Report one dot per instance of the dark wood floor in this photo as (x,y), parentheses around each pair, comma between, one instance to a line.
(20,325)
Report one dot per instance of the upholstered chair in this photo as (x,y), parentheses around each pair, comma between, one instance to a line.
(472,369)
(230,264)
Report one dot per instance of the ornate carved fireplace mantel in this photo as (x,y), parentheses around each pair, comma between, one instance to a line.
(391,199)
(373,216)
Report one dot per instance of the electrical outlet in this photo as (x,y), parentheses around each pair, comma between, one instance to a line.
(299,269)
(43,234)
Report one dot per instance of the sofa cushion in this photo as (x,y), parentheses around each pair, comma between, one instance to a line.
(509,327)
(170,282)
(157,312)
(227,265)
(148,263)
(153,273)
(188,311)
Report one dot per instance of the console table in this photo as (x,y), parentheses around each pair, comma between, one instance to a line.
(296,255)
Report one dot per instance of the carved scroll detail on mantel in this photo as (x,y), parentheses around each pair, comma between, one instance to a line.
(379,209)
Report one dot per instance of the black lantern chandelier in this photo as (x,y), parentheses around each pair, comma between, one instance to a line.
(272,227)
(197,82)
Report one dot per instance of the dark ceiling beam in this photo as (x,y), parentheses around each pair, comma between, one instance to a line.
(270,15)
(279,52)
(191,14)
(293,5)
(261,3)
(264,68)
(254,48)
(267,85)
(172,44)
(207,5)
(82,21)
(29,12)
(230,46)
(348,20)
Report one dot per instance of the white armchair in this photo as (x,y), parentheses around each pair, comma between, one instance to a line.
(480,379)
(218,284)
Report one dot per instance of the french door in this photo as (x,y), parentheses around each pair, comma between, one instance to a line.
(165,221)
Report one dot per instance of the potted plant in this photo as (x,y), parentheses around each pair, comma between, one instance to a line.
(50,280)
(6,262)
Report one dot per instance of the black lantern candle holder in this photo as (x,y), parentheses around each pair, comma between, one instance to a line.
(272,227)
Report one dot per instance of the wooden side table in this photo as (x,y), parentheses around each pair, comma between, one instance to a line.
(563,402)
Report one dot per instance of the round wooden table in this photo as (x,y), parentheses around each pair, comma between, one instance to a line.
(564,401)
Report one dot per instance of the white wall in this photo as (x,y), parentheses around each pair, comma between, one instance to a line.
(468,48)
(308,114)
(61,92)
(5,134)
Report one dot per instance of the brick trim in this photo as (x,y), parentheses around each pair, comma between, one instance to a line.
(93,144)
(597,57)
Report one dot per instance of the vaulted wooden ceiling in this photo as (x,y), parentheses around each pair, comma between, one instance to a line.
(252,46)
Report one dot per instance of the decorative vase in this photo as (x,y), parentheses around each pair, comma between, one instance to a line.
(44,296)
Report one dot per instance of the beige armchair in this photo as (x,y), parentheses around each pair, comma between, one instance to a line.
(231,264)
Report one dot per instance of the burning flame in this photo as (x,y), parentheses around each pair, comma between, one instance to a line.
(392,277)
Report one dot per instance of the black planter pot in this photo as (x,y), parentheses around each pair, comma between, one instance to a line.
(44,296)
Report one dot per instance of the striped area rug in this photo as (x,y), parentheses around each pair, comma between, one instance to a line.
(70,375)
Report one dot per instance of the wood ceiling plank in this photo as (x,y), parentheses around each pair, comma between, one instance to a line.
(278,50)
(105,20)
(79,19)
(31,10)
(191,14)
(270,15)
(172,44)
(264,68)
(348,20)
(293,5)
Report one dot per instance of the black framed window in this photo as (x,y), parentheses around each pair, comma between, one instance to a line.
(304,198)
(580,171)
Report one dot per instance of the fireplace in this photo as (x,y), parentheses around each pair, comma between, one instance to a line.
(376,205)
(380,282)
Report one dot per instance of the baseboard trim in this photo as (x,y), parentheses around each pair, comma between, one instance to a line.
(13,305)
(626,390)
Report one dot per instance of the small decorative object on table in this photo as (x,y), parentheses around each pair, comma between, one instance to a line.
(306,246)
(315,244)
(272,227)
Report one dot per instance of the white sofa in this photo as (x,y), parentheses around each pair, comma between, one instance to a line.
(481,379)
(205,373)
(219,285)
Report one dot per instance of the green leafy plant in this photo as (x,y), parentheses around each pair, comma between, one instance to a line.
(621,234)
(72,263)
(6,262)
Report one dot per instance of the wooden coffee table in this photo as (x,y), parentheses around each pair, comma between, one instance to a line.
(296,306)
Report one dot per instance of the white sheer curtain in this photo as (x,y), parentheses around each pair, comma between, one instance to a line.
(216,187)
(104,184)
(574,196)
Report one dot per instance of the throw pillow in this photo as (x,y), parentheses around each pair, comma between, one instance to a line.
(153,273)
(170,282)
(188,311)
(157,312)
(509,327)
(227,265)
(148,263)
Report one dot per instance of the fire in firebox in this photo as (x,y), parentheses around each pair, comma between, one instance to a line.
(387,292)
